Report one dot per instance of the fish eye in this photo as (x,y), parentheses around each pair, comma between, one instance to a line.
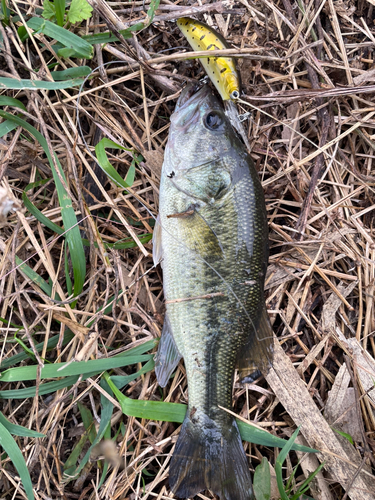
(213,120)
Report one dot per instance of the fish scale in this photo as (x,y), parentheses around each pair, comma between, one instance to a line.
(211,235)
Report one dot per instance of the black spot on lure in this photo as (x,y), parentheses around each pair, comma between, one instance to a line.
(221,70)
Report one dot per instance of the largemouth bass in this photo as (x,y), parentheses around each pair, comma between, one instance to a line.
(212,241)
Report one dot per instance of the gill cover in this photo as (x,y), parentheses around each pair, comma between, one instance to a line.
(221,70)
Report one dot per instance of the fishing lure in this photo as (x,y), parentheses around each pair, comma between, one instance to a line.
(221,70)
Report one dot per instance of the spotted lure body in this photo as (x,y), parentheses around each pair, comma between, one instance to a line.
(221,70)
(212,241)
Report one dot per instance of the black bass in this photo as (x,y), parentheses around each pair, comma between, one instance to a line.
(221,70)
(212,241)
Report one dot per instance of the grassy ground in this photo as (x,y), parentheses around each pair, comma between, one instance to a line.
(77,281)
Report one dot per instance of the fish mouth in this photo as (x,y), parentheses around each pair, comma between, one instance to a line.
(192,91)
(187,111)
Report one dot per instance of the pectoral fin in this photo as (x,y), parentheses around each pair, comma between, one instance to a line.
(167,357)
(257,353)
(199,235)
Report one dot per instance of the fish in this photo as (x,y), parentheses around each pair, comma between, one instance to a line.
(211,239)
(221,70)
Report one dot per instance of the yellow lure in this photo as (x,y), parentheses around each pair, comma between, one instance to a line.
(221,70)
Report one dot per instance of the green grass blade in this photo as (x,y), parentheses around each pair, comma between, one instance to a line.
(4,16)
(56,385)
(40,216)
(38,280)
(258,436)
(47,388)
(60,11)
(30,273)
(73,236)
(68,281)
(3,320)
(14,84)
(107,436)
(23,373)
(175,412)
(134,353)
(11,101)
(306,484)
(127,33)
(66,74)
(89,433)
(287,446)
(72,460)
(103,161)
(280,484)
(129,179)
(81,47)
(6,127)
(99,38)
(10,447)
(51,344)
(18,430)
(140,349)
(154,5)
(105,421)
(120,245)
(104,472)
(108,37)
(88,421)
(279,463)
(35,211)
(54,227)
(27,351)
(344,434)
(153,410)
(121,381)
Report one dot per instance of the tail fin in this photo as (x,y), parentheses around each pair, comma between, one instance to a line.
(210,456)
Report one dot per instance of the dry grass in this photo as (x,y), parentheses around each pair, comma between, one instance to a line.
(314,153)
